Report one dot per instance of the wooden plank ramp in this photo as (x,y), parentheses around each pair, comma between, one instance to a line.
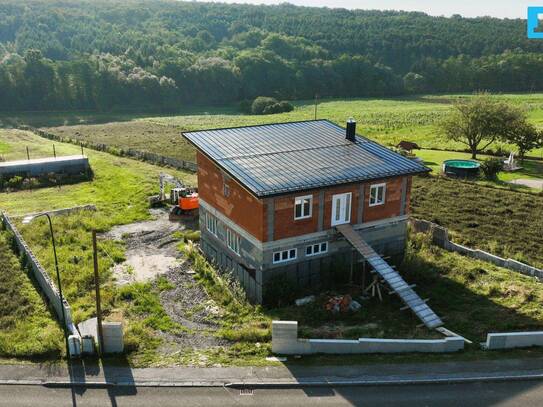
(392,278)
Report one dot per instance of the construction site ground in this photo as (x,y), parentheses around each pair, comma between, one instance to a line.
(152,251)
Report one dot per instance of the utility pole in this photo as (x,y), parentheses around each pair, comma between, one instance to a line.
(316,103)
(97,288)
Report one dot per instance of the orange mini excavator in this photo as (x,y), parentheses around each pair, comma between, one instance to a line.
(185,201)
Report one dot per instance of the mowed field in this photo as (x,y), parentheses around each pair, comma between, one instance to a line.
(387,121)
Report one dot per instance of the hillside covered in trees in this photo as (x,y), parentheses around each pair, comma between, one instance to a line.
(98,54)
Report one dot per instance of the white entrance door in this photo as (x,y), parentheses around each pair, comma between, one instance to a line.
(341,209)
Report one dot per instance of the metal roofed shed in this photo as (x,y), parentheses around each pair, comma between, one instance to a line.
(71,164)
(280,158)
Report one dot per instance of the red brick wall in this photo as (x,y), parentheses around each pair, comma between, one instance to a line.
(241,207)
(393,200)
(284,223)
(285,226)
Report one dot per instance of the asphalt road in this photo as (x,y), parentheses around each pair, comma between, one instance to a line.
(526,394)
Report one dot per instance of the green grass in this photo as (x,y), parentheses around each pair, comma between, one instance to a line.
(531,169)
(474,296)
(120,189)
(27,326)
(387,121)
(506,223)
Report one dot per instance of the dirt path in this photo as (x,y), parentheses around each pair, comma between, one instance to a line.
(151,248)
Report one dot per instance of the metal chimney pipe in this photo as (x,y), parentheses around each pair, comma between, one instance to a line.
(351,130)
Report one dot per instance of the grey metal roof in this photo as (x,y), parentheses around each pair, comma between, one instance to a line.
(280,158)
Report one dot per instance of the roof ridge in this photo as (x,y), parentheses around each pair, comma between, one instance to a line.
(291,150)
(257,125)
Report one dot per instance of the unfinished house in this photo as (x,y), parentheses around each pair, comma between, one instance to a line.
(302,200)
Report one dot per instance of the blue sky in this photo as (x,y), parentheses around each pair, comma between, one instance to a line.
(467,8)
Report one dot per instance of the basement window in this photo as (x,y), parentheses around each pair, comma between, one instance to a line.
(233,241)
(284,255)
(317,248)
(302,207)
(211,223)
(377,194)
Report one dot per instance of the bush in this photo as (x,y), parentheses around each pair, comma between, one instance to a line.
(261,103)
(491,168)
(267,105)
(15,182)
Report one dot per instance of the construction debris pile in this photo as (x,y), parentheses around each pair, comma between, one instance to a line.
(342,303)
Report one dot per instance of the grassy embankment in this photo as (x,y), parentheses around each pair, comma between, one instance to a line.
(27,327)
(119,190)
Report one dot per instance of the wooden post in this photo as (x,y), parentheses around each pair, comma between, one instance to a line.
(97,288)
(364,274)
(351,269)
(316,102)
(54,151)
(82,149)
(27,153)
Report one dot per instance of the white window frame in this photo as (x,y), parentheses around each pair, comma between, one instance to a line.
(348,196)
(299,200)
(376,187)
(212,224)
(233,241)
(316,253)
(281,252)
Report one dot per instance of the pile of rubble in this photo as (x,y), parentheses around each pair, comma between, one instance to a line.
(335,303)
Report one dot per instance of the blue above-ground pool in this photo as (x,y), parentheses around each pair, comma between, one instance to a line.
(461,168)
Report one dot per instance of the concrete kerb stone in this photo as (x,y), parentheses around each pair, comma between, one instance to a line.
(510,340)
(285,341)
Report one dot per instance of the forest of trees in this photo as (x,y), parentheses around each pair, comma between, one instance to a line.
(98,54)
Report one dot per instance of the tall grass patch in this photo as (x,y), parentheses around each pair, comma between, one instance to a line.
(475,297)
(27,326)
(504,222)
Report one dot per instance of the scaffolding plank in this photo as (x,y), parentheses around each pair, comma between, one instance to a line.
(392,278)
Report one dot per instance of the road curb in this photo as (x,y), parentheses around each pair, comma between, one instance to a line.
(393,382)
(278,384)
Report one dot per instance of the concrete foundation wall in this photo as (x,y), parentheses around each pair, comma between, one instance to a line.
(513,340)
(440,237)
(285,341)
(254,266)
